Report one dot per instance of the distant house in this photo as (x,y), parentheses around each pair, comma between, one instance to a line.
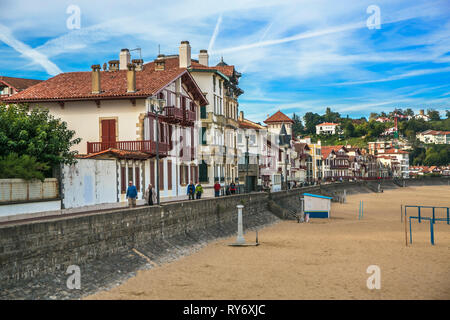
(382,119)
(389,131)
(422,116)
(10,85)
(397,160)
(433,136)
(327,128)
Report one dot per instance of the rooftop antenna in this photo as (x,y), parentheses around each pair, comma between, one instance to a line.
(140,51)
(159,49)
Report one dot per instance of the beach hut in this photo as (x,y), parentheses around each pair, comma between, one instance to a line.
(316,206)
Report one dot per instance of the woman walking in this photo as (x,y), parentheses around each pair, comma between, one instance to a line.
(150,195)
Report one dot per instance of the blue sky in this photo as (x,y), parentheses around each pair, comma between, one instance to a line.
(295,56)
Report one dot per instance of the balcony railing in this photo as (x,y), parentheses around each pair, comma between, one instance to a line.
(146,146)
(173,114)
(190,116)
(339,166)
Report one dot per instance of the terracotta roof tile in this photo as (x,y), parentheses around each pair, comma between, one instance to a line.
(278,117)
(78,85)
(19,83)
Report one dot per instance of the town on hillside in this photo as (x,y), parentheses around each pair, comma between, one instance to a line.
(175,122)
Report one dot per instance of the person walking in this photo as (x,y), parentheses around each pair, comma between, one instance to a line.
(131,194)
(232,188)
(150,195)
(217,189)
(191,190)
(199,190)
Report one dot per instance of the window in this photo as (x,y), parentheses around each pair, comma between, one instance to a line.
(239,137)
(203,112)
(203,136)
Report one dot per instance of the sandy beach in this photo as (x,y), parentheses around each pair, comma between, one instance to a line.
(323,259)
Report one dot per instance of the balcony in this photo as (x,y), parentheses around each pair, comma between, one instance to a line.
(189,118)
(173,114)
(339,166)
(146,146)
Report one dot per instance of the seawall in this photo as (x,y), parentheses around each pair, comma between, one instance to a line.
(159,234)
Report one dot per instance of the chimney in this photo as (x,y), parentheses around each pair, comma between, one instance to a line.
(124,58)
(203,57)
(139,63)
(113,65)
(96,79)
(160,63)
(131,78)
(185,54)
(422,112)
(241,116)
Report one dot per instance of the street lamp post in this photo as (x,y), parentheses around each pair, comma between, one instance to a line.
(285,167)
(157,108)
(247,160)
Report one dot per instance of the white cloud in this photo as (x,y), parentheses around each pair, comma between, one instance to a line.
(37,57)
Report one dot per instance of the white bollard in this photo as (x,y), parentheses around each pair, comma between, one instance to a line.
(240,237)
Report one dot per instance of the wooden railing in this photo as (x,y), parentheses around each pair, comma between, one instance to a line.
(147,146)
(173,114)
(190,116)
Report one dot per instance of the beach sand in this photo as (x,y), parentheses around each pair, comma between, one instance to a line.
(323,259)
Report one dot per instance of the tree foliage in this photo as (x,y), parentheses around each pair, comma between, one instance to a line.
(23,167)
(37,134)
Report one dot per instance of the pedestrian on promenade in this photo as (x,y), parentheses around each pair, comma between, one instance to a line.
(150,195)
(131,194)
(217,189)
(232,188)
(199,190)
(191,190)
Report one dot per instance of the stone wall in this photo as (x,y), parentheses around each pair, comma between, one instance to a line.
(37,248)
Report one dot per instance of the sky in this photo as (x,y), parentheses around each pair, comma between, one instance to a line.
(355,57)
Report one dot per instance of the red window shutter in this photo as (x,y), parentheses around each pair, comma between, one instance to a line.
(151,121)
(186,174)
(161,175)
(123,180)
(169,175)
(152,173)
(170,137)
(138,179)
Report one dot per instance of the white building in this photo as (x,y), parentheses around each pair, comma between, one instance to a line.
(398,161)
(433,136)
(111,112)
(327,128)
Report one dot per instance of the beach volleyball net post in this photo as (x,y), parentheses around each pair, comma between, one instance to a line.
(420,217)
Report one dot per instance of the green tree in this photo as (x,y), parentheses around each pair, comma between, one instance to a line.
(433,114)
(36,133)
(297,127)
(447,113)
(23,167)
(311,120)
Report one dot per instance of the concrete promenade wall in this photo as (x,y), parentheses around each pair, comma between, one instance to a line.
(37,248)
